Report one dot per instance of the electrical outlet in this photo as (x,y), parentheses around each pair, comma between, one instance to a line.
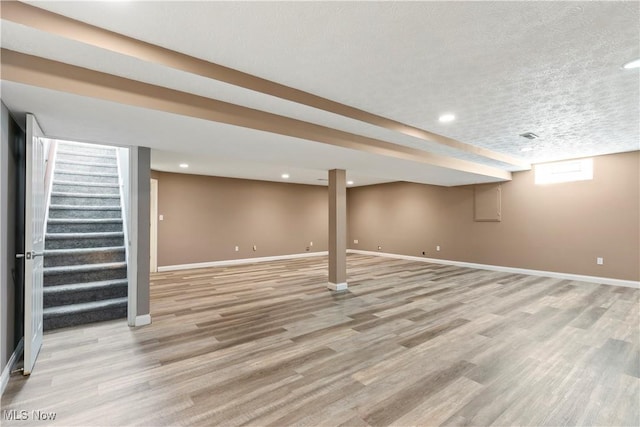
(379,248)
(161,217)
(424,253)
(237,248)
(355,241)
(600,261)
(255,248)
(311,244)
(438,248)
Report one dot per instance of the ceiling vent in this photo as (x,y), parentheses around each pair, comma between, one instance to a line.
(529,135)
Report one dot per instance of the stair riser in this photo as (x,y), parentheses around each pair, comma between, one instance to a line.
(61,176)
(57,299)
(93,242)
(85,276)
(63,321)
(87,168)
(83,188)
(93,213)
(84,227)
(85,201)
(84,258)
(88,158)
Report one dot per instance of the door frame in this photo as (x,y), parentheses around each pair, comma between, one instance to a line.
(132,237)
(153,235)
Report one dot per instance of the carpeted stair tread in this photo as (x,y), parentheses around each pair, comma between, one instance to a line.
(93,149)
(78,251)
(100,155)
(86,184)
(85,195)
(82,188)
(85,220)
(86,173)
(84,225)
(83,240)
(97,212)
(81,256)
(92,164)
(86,208)
(78,314)
(84,286)
(77,293)
(64,152)
(68,269)
(84,235)
(83,307)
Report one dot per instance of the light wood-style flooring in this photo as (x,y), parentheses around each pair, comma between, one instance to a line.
(410,343)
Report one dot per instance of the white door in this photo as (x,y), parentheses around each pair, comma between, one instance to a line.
(34,243)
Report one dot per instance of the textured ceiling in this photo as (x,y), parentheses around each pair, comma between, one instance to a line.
(503,68)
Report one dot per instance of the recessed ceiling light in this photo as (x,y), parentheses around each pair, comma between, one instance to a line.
(349,182)
(285,176)
(446,118)
(184,165)
(632,64)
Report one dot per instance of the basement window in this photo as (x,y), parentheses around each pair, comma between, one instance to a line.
(568,171)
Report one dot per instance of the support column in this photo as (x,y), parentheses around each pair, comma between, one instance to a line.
(337,230)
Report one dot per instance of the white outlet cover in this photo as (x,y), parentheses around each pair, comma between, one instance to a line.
(355,241)
(600,261)
(161,217)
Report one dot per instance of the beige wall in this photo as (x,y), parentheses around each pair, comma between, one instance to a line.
(206,217)
(559,227)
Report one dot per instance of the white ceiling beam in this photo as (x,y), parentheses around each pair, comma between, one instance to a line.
(98,37)
(35,71)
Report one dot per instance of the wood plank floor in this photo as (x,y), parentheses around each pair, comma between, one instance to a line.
(410,344)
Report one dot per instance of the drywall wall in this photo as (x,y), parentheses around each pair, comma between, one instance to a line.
(143,193)
(557,227)
(205,218)
(11,229)
(6,301)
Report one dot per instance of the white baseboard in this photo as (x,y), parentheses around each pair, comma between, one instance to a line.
(238,261)
(555,275)
(6,372)
(145,319)
(337,286)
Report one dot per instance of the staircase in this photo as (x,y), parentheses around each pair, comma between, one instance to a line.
(85,269)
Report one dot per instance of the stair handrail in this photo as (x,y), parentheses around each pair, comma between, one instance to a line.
(51,153)
(124,201)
